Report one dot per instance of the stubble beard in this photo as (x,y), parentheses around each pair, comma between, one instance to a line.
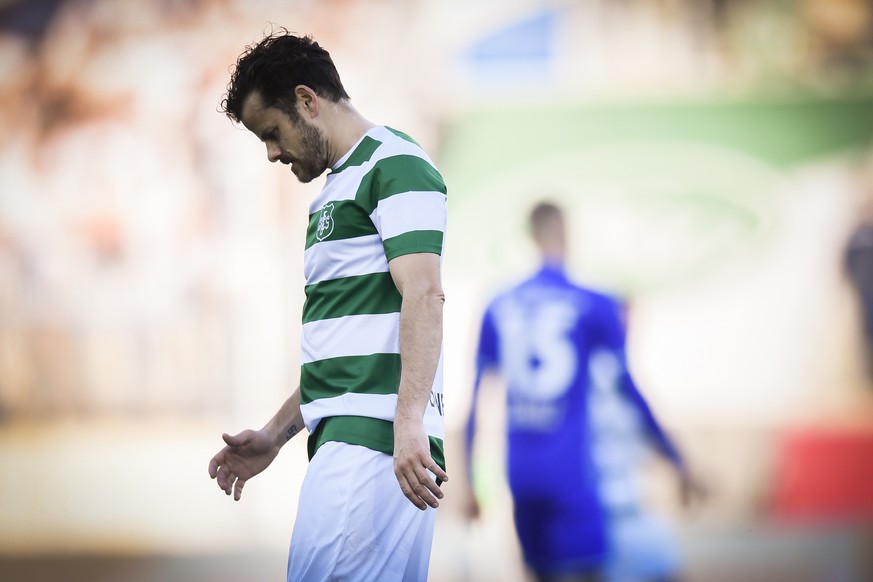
(313,161)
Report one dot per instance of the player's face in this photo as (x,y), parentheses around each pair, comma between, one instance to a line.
(291,141)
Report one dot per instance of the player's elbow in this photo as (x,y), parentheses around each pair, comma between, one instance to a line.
(427,291)
(437,294)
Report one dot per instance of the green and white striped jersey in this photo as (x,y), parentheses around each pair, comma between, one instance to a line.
(383,199)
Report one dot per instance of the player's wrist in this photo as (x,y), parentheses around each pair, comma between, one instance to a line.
(408,421)
(276,433)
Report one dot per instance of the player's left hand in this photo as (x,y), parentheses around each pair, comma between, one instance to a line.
(412,461)
(691,489)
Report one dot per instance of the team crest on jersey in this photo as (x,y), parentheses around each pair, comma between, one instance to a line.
(325,222)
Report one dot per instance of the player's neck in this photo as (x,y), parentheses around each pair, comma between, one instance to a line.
(553,261)
(346,127)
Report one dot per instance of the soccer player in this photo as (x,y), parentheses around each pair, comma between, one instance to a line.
(547,337)
(370,389)
(858,264)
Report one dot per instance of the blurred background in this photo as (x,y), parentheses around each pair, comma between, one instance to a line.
(714,156)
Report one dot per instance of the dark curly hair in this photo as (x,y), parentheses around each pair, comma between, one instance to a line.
(274,67)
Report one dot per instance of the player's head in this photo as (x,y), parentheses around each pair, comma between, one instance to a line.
(275,67)
(546,223)
(277,90)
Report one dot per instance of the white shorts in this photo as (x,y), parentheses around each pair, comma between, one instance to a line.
(353,522)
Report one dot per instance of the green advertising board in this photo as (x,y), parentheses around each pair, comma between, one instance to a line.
(656,192)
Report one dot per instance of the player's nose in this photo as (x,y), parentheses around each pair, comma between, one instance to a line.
(274,152)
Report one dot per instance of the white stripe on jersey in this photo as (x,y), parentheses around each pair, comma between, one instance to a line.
(352,335)
(334,259)
(394,145)
(380,406)
(410,211)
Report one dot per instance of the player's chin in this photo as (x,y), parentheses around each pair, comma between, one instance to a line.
(307,171)
(303,176)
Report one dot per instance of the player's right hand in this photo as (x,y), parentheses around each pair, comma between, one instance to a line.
(471,509)
(245,455)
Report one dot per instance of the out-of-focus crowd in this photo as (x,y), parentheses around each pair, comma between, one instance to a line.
(149,260)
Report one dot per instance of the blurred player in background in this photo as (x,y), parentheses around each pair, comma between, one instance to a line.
(371,379)
(574,415)
(858,263)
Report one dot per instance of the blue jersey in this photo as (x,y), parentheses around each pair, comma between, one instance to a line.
(541,336)
(538,336)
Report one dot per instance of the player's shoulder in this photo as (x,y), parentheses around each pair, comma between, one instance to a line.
(597,299)
(583,290)
(501,297)
(506,296)
(395,143)
(600,295)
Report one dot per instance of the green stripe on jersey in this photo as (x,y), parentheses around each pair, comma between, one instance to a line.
(348,221)
(362,153)
(401,135)
(373,433)
(358,295)
(396,175)
(374,374)
(416,241)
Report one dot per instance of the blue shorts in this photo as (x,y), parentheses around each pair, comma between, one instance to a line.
(561,533)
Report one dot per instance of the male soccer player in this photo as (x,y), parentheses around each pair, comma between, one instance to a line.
(541,337)
(371,377)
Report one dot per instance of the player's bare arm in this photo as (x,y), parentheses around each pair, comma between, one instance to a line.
(248,453)
(417,277)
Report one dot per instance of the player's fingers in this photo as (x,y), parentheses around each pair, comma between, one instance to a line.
(429,473)
(238,488)
(436,470)
(213,467)
(229,481)
(216,462)
(225,479)
(234,440)
(429,485)
(425,488)
(409,492)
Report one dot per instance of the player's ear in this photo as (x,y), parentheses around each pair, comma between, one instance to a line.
(307,101)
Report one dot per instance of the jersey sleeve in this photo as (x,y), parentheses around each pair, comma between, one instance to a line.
(486,360)
(487,350)
(613,336)
(653,428)
(410,211)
